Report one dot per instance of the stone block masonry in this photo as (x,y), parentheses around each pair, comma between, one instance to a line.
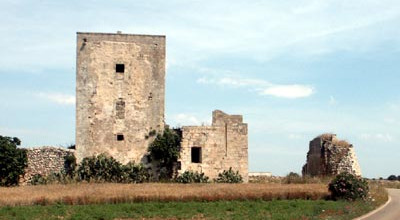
(120,92)
(330,156)
(212,149)
(45,161)
(120,105)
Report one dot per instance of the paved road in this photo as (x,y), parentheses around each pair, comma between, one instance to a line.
(391,211)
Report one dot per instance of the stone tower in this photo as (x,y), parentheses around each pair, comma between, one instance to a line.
(329,156)
(120,90)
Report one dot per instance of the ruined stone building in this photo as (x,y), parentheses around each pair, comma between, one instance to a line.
(212,149)
(44,161)
(329,156)
(120,95)
(120,91)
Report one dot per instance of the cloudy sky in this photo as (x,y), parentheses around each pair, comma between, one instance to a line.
(293,69)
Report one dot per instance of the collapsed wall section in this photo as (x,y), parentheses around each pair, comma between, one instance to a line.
(212,149)
(328,156)
(45,161)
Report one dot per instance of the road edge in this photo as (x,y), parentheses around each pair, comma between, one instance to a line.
(376,210)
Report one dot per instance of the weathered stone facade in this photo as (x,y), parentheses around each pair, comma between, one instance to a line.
(330,156)
(212,149)
(45,161)
(120,90)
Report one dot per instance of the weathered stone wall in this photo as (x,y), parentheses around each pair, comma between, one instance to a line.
(330,156)
(45,161)
(117,109)
(223,145)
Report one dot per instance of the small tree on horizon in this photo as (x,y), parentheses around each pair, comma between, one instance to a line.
(13,161)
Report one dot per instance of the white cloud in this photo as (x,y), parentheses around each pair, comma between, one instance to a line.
(234,82)
(377,137)
(262,87)
(59,98)
(185,119)
(266,29)
(289,91)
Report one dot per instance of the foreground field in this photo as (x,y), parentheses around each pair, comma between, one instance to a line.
(82,194)
(255,209)
(180,201)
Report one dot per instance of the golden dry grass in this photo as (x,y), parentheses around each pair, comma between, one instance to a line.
(387,183)
(378,194)
(86,193)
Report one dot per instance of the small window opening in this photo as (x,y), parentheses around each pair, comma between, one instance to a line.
(120,137)
(196,154)
(120,68)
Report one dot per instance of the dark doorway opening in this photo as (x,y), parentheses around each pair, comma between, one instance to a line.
(196,154)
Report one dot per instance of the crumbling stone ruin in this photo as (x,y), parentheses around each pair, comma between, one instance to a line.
(120,95)
(45,161)
(120,90)
(212,149)
(330,156)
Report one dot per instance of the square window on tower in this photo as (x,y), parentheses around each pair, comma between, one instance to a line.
(120,68)
(120,137)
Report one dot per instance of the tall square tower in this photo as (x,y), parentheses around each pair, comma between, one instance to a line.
(120,90)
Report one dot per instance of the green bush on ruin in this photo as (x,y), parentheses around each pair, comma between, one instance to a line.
(102,168)
(99,168)
(134,173)
(192,177)
(164,151)
(229,176)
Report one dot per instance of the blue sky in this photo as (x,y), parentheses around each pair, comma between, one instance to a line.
(293,69)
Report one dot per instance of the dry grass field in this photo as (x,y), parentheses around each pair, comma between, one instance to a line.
(164,201)
(387,183)
(91,193)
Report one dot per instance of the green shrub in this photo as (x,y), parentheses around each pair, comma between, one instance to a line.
(53,178)
(13,161)
(392,178)
(349,187)
(106,169)
(38,179)
(100,169)
(134,173)
(192,177)
(229,176)
(164,151)
(293,177)
(70,165)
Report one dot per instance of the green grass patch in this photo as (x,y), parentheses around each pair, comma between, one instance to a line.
(258,209)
